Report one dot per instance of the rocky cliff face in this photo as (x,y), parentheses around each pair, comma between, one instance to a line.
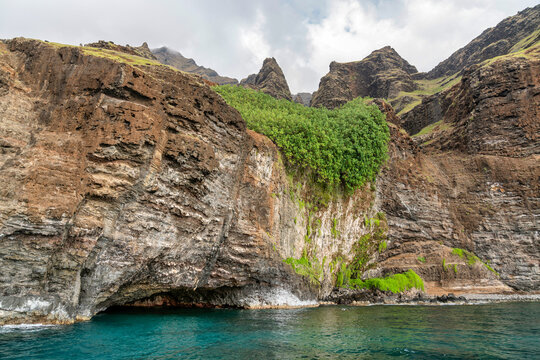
(270,80)
(473,184)
(485,204)
(174,58)
(382,74)
(494,109)
(513,33)
(139,185)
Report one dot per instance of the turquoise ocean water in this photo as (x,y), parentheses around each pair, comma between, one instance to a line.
(495,331)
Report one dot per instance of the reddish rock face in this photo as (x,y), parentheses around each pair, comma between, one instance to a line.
(139,185)
(382,74)
(122,182)
(270,80)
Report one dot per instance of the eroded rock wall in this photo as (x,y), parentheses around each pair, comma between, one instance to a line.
(125,183)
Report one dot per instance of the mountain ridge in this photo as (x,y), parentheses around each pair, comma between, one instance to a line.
(174,58)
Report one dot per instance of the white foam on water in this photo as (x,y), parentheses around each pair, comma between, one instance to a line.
(25,327)
(276,297)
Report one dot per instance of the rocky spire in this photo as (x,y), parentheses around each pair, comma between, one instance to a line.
(269,80)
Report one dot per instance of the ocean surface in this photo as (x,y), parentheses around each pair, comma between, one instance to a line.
(492,331)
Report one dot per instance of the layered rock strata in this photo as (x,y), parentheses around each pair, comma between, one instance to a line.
(138,185)
(125,184)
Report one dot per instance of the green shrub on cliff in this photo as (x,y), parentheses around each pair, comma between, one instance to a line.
(342,146)
(395,283)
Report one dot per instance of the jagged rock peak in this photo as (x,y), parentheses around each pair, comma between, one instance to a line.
(269,80)
(383,74)
(175,59)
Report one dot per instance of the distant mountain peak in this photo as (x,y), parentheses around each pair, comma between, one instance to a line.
(174,58)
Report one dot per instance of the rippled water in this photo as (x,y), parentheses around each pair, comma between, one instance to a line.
(504,331)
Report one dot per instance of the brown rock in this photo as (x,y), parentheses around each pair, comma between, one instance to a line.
(123,183)
(495,109)
(460,197)
(388,110)
(382,74)
(270,80)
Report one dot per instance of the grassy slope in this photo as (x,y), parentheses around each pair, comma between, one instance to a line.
(425,88)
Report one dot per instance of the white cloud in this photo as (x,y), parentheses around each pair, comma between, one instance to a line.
(253,41)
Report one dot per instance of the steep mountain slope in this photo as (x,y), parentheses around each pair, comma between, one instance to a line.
(174,58)
(478,165)
(513,33)
(511,36)
(382,74)
(502,83)
(390,77)
(270,80)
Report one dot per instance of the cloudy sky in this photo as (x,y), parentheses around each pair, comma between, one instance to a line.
(234,37)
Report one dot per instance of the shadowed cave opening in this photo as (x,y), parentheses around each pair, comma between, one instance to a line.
(203,298)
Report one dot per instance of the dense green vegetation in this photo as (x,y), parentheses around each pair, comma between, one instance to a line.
(345,146)
(395,283)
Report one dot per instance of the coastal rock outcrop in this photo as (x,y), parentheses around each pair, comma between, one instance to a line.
(129,184)
(126,182)
(270,80)
(382,74)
